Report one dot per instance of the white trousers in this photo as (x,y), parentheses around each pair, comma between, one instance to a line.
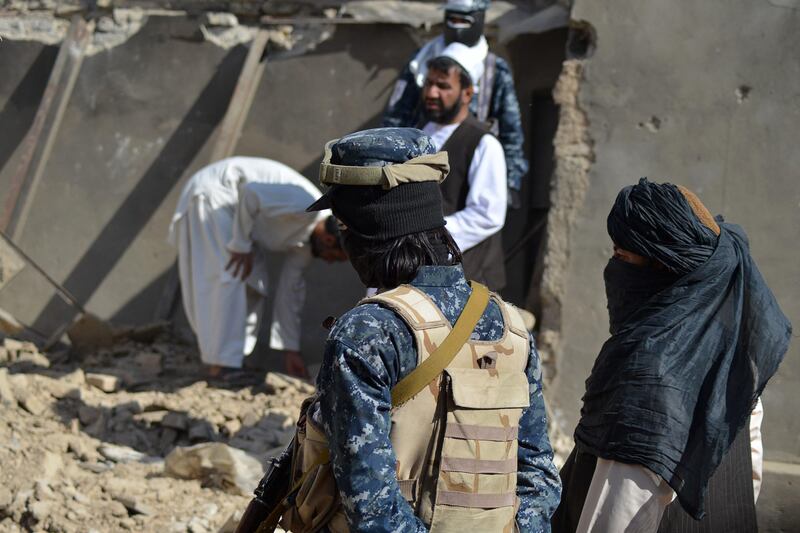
(631,498)
(222,310)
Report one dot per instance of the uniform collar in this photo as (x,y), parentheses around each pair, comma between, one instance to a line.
(439,276)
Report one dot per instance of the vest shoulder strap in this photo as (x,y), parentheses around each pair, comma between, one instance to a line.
(514,320)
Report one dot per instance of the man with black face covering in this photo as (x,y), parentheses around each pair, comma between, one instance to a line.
(494,101)
(669,437)
(474,194)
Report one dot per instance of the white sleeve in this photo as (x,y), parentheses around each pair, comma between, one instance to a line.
(624,497)
(485,211)
(290,296)
(757,447)
(247,209)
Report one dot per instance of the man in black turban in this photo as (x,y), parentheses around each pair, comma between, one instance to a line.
(695,336)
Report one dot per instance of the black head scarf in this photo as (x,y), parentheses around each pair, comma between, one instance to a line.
(683,369)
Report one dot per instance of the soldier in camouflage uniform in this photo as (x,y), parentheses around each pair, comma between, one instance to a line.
(370,348)
(495,101)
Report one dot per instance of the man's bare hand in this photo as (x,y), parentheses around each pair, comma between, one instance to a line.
(294,364)
(240,264)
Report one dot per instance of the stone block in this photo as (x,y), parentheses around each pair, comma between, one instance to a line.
(176,420)
(104,382)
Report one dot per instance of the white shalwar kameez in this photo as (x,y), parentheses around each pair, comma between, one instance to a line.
(230,206)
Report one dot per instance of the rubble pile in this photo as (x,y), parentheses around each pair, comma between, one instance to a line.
(133,437)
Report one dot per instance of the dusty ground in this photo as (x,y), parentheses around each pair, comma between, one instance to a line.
(91,453)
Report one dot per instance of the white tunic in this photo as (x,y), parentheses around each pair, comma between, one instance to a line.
(230,206)
(629,497)
(484,213)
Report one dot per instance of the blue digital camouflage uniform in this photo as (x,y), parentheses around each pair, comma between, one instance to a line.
(368,351)
(504,108)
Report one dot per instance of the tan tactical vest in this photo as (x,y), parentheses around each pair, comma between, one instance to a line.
(455,442)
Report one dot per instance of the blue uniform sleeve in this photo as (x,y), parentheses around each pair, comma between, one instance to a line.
(538,483)
(358,372)
(402,111)
(505,109)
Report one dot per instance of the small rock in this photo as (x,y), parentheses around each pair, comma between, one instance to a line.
(61,389)
(33,358)
(76,377)
(251,418)
(134,506)
(5,498)
(88,414)
(40,510)
(228,20)
(127,523)
(124,454)
(176,420)
(42,491)
(231,427)
(6,394)
(33,405)
(275,382)
(80,450)
(197,525)
(104,382)
(97,468)
(51,464)
(202,431)
(15,347)
(117,509)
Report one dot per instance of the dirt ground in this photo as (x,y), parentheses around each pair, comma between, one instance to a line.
(102,442)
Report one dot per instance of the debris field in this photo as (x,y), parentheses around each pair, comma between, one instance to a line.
(133,437)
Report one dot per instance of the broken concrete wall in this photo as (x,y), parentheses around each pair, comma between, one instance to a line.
(145,113)
(697,93)
(142,118)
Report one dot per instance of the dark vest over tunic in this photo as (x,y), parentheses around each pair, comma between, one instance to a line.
(483,262)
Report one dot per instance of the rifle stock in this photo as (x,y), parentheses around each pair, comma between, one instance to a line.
(265,509)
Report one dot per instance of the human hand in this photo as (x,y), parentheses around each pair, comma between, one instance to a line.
(240,263)
(294,364)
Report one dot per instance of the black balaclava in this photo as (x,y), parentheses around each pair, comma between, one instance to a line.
(469,35)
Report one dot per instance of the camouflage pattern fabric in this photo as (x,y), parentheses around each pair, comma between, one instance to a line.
(381,147)
(368,351)
(504,108)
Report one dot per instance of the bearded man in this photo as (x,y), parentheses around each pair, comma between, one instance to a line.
(695,336)
(493,102)
(474,194)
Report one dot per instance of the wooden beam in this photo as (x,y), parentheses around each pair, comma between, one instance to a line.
(38,143)
(242,99)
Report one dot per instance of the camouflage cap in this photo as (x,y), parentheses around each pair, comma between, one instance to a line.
(384,182)
(466,6)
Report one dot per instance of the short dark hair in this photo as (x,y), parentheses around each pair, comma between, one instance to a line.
(444,64)
(331,227)
(387,264)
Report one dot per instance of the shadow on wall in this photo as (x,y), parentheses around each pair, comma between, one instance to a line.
(17,114)
(162,175)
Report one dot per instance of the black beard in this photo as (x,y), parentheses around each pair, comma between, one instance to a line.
(444,115)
